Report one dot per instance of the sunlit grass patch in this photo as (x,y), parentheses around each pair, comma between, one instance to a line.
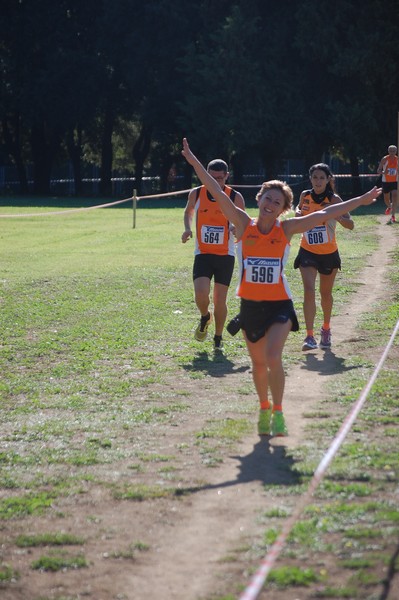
(211,456)
(48,539)
(20,506)
(276,513)
(362,532)
(288,576)
(339,509)
(141,492)
(365,577)
(226,429)
(217,434)
(357,563)
(7,573)
(129,553)
(331,489)
(153,457)
(337,592)
(59,561)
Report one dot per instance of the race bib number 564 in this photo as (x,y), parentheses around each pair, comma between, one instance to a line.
(212,234)
(262,270)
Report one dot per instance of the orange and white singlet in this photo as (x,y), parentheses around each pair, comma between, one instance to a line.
(212,227)
(390,169)
(262,258)
(320,239)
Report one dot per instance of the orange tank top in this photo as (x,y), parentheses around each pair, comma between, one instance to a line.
(262,258)
(390,166)
(320,239)
(213,235)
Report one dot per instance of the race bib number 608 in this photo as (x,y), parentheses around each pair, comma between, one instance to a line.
(262,270)
(317,235)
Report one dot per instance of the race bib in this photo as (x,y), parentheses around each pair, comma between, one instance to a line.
(391,172)
(212,234)
(262,270)
(317,235)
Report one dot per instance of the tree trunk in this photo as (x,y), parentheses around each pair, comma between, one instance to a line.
(106,152)
(44,150)
(270,165)
(75,154)
(356,184)
(140,152)
(167,174)
(13,148)
(237,168)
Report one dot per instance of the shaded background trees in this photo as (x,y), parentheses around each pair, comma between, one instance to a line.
(117,84)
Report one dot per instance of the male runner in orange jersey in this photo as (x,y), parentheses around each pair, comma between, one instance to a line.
(214,251)
(388,167)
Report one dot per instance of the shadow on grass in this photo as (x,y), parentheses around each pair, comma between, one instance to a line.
(267,464)
(214,364)
(328,364)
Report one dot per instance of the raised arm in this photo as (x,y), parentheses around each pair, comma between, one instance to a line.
(234,214)
(301,224)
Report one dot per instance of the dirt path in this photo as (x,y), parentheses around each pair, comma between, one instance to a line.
(190,537)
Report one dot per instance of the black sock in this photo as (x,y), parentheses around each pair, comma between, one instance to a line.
(217,340)
(205,319)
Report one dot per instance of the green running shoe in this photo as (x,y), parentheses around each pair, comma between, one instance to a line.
(278,427)
(264,421)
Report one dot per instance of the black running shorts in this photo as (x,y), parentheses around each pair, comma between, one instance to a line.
(323,263)
(257,317)
(213,265)
(389,186)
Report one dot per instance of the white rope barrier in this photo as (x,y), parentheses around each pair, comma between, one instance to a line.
(67,211)
(165,195)
(257,581)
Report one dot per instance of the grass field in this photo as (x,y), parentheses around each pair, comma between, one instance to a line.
(94,312)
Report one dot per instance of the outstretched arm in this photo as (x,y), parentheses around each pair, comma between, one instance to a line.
(231,212)
(301,224)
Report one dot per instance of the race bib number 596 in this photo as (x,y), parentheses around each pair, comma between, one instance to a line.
(262,270)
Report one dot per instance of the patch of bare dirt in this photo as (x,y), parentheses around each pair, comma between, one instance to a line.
(191,536)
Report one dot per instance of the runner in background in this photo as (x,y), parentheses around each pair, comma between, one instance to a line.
(214,251)
(318,253)
(388,167)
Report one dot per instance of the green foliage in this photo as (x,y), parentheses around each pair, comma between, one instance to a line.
(31,504)
(7,573)
(48,539)
(59,562)
(289,576)
(141,492)
(116,111)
